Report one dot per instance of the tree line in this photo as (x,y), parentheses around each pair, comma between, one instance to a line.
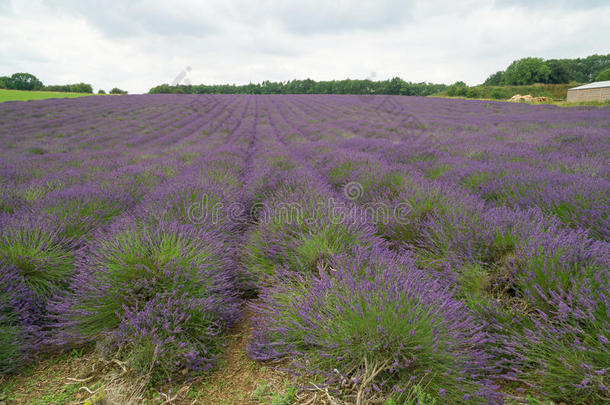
(395,86)
(553,71)
(27,81)
(525,71)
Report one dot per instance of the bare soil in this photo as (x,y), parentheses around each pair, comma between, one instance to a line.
(74,378)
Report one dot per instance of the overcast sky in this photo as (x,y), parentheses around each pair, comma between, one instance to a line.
(135,44)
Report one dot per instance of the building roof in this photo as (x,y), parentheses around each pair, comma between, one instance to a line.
(594,85)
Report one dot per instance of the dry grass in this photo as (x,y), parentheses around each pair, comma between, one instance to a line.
(86,378)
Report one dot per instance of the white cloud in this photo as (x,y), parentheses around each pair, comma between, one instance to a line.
(138,44)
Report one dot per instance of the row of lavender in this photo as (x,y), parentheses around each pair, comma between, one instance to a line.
(520,240)
(96,240)
(488,278)
(358,318)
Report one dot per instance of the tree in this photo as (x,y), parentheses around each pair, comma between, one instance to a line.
(57,87)
(603,75)
(457,89)
(394,85)
(80,88)
(26,81)
(495,79)
(527,71)
(591,66)
(6,82)
(71,88)
(116,90)
(101,91)
(162,88)
(560,71)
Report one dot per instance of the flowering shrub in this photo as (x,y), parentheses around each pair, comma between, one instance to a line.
(383,325)
(81,210)
(163,296)
(36,251)
(19,319)
(297,230)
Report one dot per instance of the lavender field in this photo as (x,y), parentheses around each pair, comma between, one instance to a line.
(385,249)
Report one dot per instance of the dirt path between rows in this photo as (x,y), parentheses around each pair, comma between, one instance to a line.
(237,377)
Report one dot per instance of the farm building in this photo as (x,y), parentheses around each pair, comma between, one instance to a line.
(597,91)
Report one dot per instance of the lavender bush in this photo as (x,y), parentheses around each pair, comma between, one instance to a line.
(160,296)
(386,327)
(39,255)
(19,320)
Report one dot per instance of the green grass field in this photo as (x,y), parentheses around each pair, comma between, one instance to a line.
(22,95)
